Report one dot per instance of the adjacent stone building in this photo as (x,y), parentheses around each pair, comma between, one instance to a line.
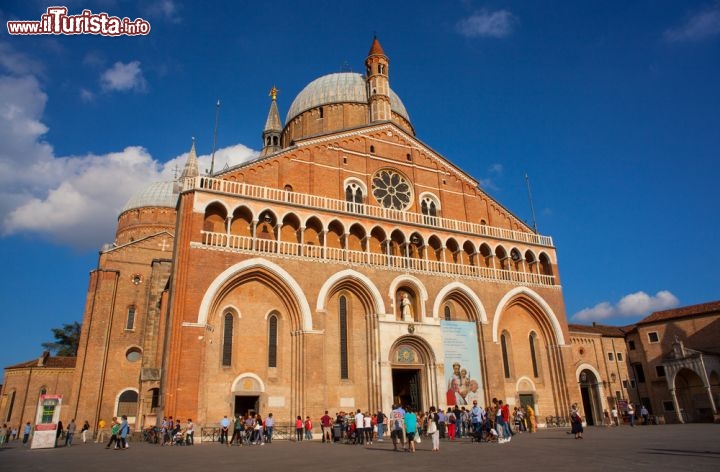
(675,359)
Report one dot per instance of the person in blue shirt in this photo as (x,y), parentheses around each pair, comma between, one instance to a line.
(26,433)
(410,428)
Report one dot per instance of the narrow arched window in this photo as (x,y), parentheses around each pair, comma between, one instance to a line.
(354,198)
(130,323)
(358,195)
(533,355)
(506,361)
(343,339)
(227,340)
(272,340)
(429,209)
(447,313)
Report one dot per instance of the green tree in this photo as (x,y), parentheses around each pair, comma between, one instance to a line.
(66,342)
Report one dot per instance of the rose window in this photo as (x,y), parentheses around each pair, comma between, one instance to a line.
(391,190)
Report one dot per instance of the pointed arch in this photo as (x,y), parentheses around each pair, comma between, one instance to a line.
(286,285)
(370,296)
(545,309)
(466,292)
(413,282)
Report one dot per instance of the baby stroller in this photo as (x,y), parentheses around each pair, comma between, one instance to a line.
(489,433)
(178,437)
(351,434)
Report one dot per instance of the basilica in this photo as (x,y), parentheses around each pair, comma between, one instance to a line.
(349,266)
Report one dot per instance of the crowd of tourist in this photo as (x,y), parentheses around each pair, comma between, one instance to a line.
(405,427)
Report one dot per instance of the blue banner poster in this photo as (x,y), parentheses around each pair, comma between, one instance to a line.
(462,363)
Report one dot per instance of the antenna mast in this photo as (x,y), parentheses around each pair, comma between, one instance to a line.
(212,159)
(532,208)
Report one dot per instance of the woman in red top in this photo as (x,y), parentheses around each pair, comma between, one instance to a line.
(299,429)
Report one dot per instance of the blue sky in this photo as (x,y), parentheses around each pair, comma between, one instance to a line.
(611,108)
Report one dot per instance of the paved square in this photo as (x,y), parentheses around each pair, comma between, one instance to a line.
(669,447)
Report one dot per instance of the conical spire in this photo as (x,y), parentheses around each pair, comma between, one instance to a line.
(273,122)
(273,127)
(191,165)
(376,49)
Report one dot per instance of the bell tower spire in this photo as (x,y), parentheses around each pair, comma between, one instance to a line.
(191,164)
(378,82)
(273,127)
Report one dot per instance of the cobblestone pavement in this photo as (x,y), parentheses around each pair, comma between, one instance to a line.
(693,447)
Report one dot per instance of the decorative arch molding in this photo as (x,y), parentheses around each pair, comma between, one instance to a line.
(416,283)
(358,182)
(230,308)
(430,196)
(465,290)
(232,272)
(589,367)
(235,386)
(525,380)
(202,208)
(540,301)
(416,342)
(338,277)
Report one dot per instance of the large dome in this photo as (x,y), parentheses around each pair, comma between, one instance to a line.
(158,194)
(341,87)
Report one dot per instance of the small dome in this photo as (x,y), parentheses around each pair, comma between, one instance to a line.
(158,194)
(338,88)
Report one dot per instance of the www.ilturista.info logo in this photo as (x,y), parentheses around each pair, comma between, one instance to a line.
(57,21)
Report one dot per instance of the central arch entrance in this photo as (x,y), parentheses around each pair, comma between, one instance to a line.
(413,373)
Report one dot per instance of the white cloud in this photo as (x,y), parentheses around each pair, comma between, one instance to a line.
(124,77)
(635,305)
(496,168)
(73,200)
(18,63)
(86,95)
(495,24)
(164,9)
(701,25)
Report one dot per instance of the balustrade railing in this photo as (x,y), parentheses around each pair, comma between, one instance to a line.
(312,201)
(334,254)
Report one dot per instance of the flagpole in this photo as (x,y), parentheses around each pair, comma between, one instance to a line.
(212,159)
(532,208)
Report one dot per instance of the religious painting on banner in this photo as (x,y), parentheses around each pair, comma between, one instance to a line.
(462,362)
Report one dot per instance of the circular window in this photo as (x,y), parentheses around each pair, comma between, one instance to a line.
(133,354)
(391,190)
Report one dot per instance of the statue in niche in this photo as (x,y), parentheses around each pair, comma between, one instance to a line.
(406,308)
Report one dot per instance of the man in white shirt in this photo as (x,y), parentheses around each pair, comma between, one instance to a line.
(359,427)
